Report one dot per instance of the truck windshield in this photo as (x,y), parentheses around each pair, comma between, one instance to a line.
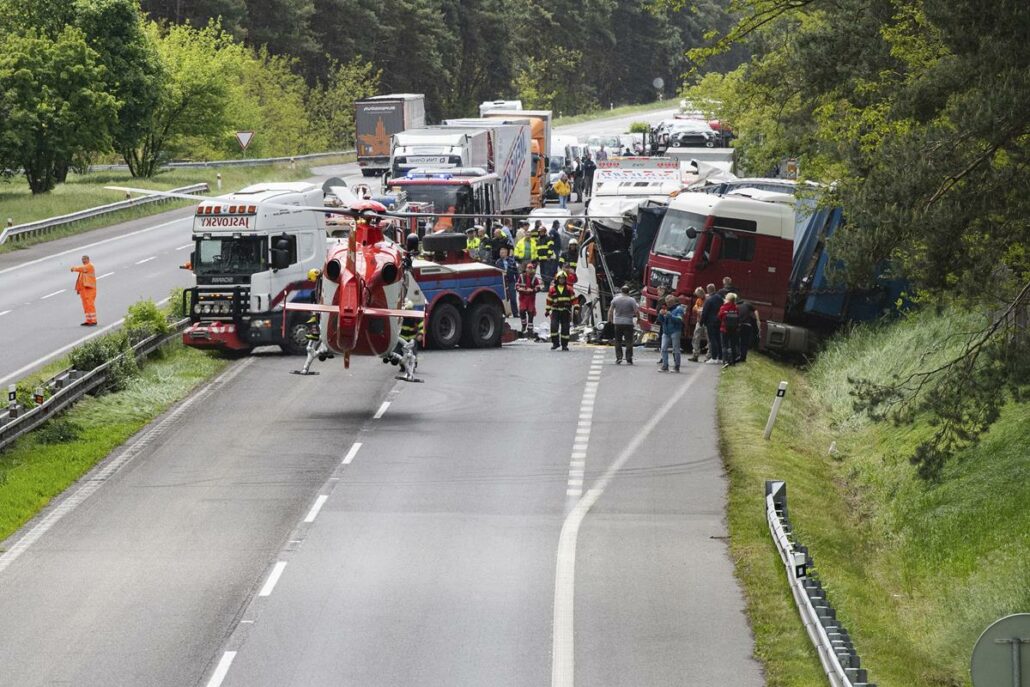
(442,197)
(672,239)
(229,255)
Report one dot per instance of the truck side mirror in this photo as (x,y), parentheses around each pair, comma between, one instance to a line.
(691,233)
(280,258)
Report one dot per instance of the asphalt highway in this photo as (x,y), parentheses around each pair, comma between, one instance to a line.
(524,517)
(40,312)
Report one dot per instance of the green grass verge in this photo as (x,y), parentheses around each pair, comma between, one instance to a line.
(45,462)
(915,570)
(87,190)
(620,111)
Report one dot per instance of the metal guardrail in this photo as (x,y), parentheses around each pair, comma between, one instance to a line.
(70,385)
(229,163)
(832,642)
(44,225)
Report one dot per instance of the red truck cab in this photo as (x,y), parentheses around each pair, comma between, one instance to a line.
(705,237)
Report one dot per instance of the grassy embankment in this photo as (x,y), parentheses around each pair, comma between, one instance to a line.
(86,191)
(621,111)
(42,464)
(915,570)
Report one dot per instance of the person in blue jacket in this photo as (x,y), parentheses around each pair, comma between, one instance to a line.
(510,267)
(670,317)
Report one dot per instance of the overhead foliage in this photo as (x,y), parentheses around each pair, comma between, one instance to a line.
(919,111)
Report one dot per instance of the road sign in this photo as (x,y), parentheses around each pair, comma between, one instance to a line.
(244,138)
(1001,657)
(658,83)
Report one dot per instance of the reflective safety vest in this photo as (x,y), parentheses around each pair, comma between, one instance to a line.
(314,331)
(559,298)
(526,249)
(545,249)
(412,327)
(473,244)
(571,258)
(87,278)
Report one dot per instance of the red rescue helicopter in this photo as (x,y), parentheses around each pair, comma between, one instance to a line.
(363,285)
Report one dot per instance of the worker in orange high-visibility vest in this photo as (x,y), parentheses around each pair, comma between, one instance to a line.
(86,287)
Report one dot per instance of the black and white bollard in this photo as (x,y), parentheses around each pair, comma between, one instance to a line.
(218,178)
(780,393)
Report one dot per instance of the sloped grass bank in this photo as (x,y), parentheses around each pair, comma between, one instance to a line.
(915,570)
(48,460)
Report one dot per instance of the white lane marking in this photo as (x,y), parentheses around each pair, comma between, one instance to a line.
(50,295)
(64,349)
(563,647)
(95,243)
(313,513)
(381,411)
(4,313)
(222,670)
(93,480)
(104,275)
(352,452)
(140,262)
(273,578)
(188,245)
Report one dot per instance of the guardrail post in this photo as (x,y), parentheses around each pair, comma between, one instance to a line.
(38,396)
(780,393)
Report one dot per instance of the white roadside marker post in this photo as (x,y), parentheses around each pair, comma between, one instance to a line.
(219,178)
(780,393)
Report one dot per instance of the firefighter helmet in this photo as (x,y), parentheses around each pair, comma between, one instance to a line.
(314,274)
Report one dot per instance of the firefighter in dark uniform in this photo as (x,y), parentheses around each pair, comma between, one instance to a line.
(560,304)
(313,334)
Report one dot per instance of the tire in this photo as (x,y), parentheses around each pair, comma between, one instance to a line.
(445,326)
(295,342)
(484,325)
(444,242)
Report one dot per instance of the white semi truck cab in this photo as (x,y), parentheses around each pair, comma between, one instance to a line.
(249,259)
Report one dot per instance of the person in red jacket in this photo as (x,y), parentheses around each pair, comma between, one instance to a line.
(729,328)
(527,286)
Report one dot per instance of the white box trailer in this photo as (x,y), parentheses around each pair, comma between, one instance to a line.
(488,105)
(377,119)
(510,158)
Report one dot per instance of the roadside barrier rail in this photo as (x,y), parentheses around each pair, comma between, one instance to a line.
(42,226)
(245,162)
(68,386)
(831,640)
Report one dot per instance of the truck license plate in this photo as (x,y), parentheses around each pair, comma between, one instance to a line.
(662,279)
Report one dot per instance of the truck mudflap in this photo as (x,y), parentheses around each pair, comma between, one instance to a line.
(217,335)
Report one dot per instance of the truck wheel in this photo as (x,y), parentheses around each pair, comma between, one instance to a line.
(483,327)
(444,242)
(369,173)
(296,342)
(445,326)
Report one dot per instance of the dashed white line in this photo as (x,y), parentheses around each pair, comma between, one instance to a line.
(188,245)
(273,578)
(140,262)
(381,411)
(563,649)
(222,670)
(102,276)
(313,513)
(352,452)
(51,295)
(4,313)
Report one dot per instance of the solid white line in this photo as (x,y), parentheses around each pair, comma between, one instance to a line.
(50,295)
(313,513)
(563,647)
(222,670)
(276,573)
(188,245)
(140,262)
(94,480)
(95,243)
(104,275)
(63,349)
(381,411)
(351,453)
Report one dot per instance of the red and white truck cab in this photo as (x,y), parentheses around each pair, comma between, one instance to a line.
(705,237)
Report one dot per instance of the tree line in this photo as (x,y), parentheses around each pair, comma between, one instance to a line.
(919,112)
(162,79)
